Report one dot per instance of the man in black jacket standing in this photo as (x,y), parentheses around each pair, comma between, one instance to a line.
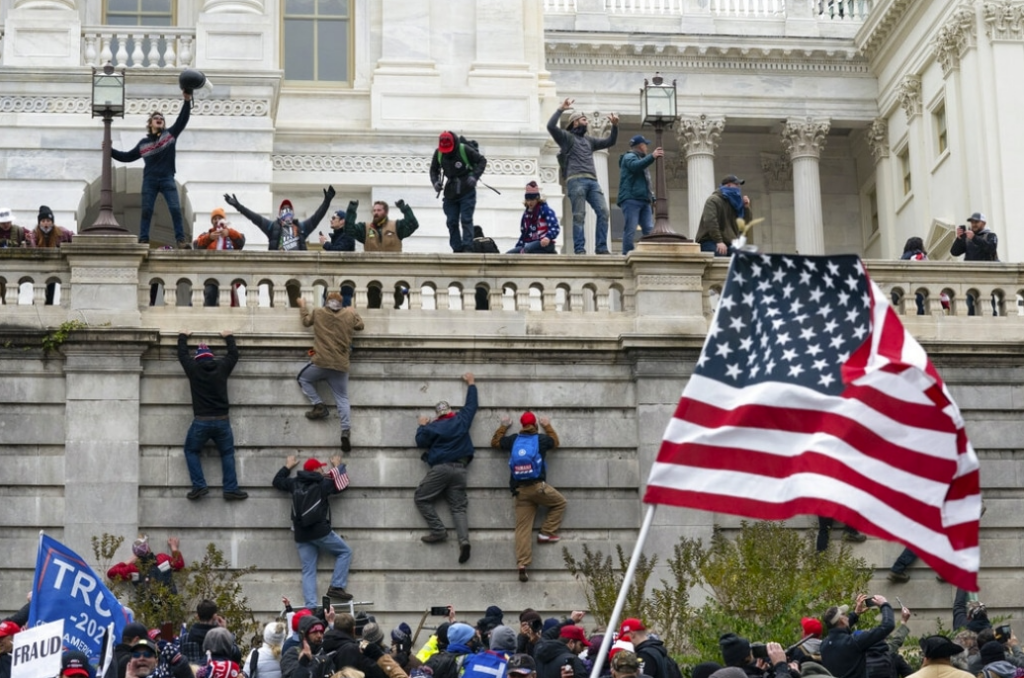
(208,380)
(311,489)
(462,166)
(843,653)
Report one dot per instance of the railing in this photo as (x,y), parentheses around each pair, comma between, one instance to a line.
(841,10)
(138,46)
(825,10)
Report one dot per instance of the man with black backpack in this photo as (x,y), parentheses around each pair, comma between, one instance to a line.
(527,480)
(455,169)
(311,489)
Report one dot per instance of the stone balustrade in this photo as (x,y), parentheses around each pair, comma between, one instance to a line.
(138,46)
(826,10)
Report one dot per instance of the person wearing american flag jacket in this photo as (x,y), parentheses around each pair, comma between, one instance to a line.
(539,226)
(311,490)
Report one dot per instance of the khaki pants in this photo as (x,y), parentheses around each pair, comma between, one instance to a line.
(527,500)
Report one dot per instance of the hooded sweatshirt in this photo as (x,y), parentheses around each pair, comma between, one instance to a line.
(208,378)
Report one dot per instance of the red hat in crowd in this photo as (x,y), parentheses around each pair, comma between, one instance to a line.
(313,465)
(528,419)
(573,632)
(299,614)
(8,628)
(630,625)
(811,626)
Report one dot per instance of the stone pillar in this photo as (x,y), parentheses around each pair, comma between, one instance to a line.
(43,34)
(698,137)
(878,142)
(804,139)
(103,370)
(105,279)
(236,35)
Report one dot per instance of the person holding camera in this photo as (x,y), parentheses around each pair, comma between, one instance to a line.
(976,243)
(760,660)
(559,658)
(845,654)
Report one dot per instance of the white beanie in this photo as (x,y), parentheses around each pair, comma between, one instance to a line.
(273,634)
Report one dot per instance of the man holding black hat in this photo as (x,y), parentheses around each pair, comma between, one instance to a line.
(718,227)
(845,654)
(527,480)
(311,490)
(937,651)
(635,189)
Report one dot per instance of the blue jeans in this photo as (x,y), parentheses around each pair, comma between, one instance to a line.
(581,192)
(456,211)
(309,551)
(533,248)
(338,383)
(635,212)
(905,560)
(151,186)
(220,432)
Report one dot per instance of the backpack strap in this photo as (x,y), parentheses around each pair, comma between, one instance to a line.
(465,157)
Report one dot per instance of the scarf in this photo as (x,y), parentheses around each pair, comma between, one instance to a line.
(735,198)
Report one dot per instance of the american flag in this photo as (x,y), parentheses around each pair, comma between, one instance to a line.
(809,397)
(339,474)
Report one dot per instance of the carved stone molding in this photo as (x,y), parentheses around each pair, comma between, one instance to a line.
(1004,20)
(548,175)
(45,4)
(600,126)
(805,137)
(699,135)
(778,172)
(103,274)
(909,95)
(680,283)
(249,108)
(954,38)
(880,24)
(233,6)
(877,138)
(395,164)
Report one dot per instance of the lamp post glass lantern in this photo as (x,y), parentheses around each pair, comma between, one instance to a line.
(658,109)
(107,101)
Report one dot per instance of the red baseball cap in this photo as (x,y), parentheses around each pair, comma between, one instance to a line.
(313,465)
(528,419)
(8,628)
(811,626)
(446,142)
(630,625)
(573,632)
(299,614)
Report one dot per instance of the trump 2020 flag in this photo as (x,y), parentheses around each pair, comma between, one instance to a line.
(810,397)
(65,587)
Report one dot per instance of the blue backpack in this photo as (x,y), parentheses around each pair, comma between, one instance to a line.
(484,665)
(525,461)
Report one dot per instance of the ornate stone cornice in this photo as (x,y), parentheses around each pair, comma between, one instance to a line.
(805,137)
(390,164)
(249,108)
(778,171)
(880,23)
(954,38)
(1004,20)
(877,138)
(600,126)
(574,54)
(909,95)
(699,135)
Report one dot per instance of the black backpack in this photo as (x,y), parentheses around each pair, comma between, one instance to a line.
(309,505)
(322,665)
(880,662)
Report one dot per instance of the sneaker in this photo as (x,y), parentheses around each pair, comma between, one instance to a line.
(143,241)
(855,537)
(198,493)
(319,411)
(184,245)
(898,577)
(523,577)
(346,444)
(434,537)
(547,538)
(339,593)
(237,495)
(463,554)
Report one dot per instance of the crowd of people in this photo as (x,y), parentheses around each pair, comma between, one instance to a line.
(318,642)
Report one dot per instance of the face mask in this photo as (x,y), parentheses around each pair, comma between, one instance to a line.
(579,130)
(46,229)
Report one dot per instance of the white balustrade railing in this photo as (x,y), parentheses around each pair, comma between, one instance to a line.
(644,6)
(824,10)
(560,6)
(748,8)
(138,46)
(841,10)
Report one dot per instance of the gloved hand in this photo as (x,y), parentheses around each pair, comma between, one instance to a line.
(374,651)
(471,181)
(230,199)
(438,186)
(400,204)
(329,193)
(353,205)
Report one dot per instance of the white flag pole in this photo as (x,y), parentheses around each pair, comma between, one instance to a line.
(620,603)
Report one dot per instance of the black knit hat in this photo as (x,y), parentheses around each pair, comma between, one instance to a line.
(735,650)
(44,213)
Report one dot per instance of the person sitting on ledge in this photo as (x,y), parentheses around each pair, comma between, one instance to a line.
(539,225)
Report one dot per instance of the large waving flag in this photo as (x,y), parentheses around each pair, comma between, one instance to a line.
(65,587)
(810,397)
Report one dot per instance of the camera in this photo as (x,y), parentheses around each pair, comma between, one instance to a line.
(759,650)
(439,611)
(870,602)
(1002,633)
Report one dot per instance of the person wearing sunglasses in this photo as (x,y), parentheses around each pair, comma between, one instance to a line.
(143,659)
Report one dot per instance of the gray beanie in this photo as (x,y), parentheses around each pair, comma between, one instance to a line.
(503,638)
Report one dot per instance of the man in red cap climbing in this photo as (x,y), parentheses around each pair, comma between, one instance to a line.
(455,169)
(528,482)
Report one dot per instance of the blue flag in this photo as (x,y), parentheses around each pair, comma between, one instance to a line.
(65,587)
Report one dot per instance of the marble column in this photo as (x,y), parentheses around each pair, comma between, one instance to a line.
(698,137)
(878,141)
(804,139)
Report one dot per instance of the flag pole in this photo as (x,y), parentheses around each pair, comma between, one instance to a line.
(620,602)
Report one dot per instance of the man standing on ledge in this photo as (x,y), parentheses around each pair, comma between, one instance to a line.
(580,174)
(718,227)
(208,380)
(462,165)
(157,152)
(449,450)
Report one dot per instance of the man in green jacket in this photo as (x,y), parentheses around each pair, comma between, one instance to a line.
(718,227)
(635,194)
(381,234)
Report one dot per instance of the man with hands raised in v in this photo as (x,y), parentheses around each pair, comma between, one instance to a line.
(381,234)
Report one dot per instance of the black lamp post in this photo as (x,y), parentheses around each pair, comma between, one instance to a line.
(658,109)
(107,101)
